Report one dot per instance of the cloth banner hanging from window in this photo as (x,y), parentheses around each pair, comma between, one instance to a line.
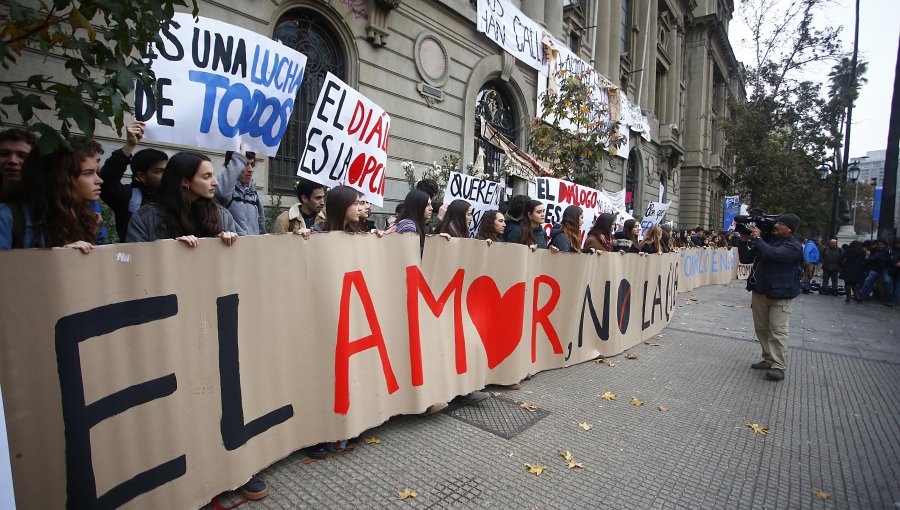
(516,33)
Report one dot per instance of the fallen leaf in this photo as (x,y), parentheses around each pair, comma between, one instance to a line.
(631,355)
(496,393)
(572,465)
(811,329)
(651,344)
(609,396)
(821,494)
(570,460)
(566,455)
(635,402)
(759,429)
(535,469)
(527,406)
(585,425)
(663,409)
(407,493)
(373,440)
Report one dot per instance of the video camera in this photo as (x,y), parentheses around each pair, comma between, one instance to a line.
(755,218)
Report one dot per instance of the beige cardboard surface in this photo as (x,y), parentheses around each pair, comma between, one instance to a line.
(215,362)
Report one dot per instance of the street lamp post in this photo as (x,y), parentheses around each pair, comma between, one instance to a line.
(852,174)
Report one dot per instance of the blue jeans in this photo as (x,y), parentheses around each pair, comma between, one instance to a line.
(891,289)
(869,284)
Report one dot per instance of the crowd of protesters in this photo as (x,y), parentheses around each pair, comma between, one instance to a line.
(869,270)
(53,200)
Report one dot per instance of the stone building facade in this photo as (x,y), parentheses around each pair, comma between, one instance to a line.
(424,62)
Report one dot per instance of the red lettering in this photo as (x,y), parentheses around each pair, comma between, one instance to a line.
(344,348)
(375,130)
(415,285)
(356,169)
(542,315)
(359,109)
(371,166)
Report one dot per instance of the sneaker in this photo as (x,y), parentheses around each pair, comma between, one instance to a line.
(255,489)
(336,447)
(474,397)
(774,374)
(435,408)
(761,365)
(319,451)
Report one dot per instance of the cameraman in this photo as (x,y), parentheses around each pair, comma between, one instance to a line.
(774,281)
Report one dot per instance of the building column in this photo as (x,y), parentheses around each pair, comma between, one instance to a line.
(603,36)
(534,9)
(553,19)
(650,25)
(614,51)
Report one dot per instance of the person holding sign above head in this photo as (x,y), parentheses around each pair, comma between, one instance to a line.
(457,220)
(566,237)
(492,227)
(53,204)
(302,215)
(237,193)
(652,242)
(600,237)
(187,208)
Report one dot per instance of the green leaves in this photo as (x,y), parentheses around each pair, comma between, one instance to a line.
(102,63)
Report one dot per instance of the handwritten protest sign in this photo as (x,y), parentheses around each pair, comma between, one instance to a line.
(557,195)
(220,86)
(346,141)
(516,33)
(731,210)
(654,214)
(482,194)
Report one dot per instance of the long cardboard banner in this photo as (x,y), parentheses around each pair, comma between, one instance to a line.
(156,376)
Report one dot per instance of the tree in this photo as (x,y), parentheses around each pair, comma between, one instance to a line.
(572,132)
(785,129)
(103,63)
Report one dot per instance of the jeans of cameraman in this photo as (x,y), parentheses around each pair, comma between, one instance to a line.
(869,284)
(771,322)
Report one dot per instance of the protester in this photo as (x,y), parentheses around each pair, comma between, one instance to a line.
(853,264)
(810,259)
(774,281)
(457,220)
(514,217)
(531,231)
(629,241)
(237,193)
(15,146)
(147,166)
(303,214)
(342,211)
(698,238)
(416,211)
(877,262)
(430,186)
(365,224)
(566,237)
(52,205)
(600,237)
(652,242)
(492,226)
(892,277)
(666,242)
(187,209)
(831,266)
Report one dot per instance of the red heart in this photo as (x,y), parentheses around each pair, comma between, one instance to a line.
(498,318)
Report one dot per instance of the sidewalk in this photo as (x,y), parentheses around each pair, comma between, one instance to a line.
(834,426)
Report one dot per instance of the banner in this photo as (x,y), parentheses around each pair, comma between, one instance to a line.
(732,209)
(346,141)
(482,194)
(220,86)
(519,35)
(157,376)
(562,64)
(557,195)
(876,207)
(617,198)
(654,214)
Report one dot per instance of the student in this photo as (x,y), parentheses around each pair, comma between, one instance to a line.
(187,209)
(457,220)
(531,231)
(302,215)
(237,193)
(629,241)
(54,204)
(492,227)
(15,146)
(147,166)
(652,242)
(600,237)
(566,237)
(342,211)
(366,225)
(514,218)
(416,211)
(430,187)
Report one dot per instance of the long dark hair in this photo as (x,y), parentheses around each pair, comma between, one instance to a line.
(626,229)
(414,210)
(454,222)
(336,203)
(603,225)
(486,228)
(48,188)
(199,217)
(571,226)
(526,231)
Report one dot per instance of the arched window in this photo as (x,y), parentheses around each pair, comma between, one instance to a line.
(310,34)
(494,105)
(631,172)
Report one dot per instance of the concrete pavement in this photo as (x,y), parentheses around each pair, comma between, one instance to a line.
(834,426)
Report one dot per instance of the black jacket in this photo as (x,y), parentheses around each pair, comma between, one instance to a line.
(123,199)
(776,266)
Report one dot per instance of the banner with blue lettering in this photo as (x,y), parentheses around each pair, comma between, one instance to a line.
(346,141)
(516,33)
(732,209)
(219,86)
(483,195)
(876,208)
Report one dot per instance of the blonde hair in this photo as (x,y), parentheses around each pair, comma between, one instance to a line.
(654,237)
